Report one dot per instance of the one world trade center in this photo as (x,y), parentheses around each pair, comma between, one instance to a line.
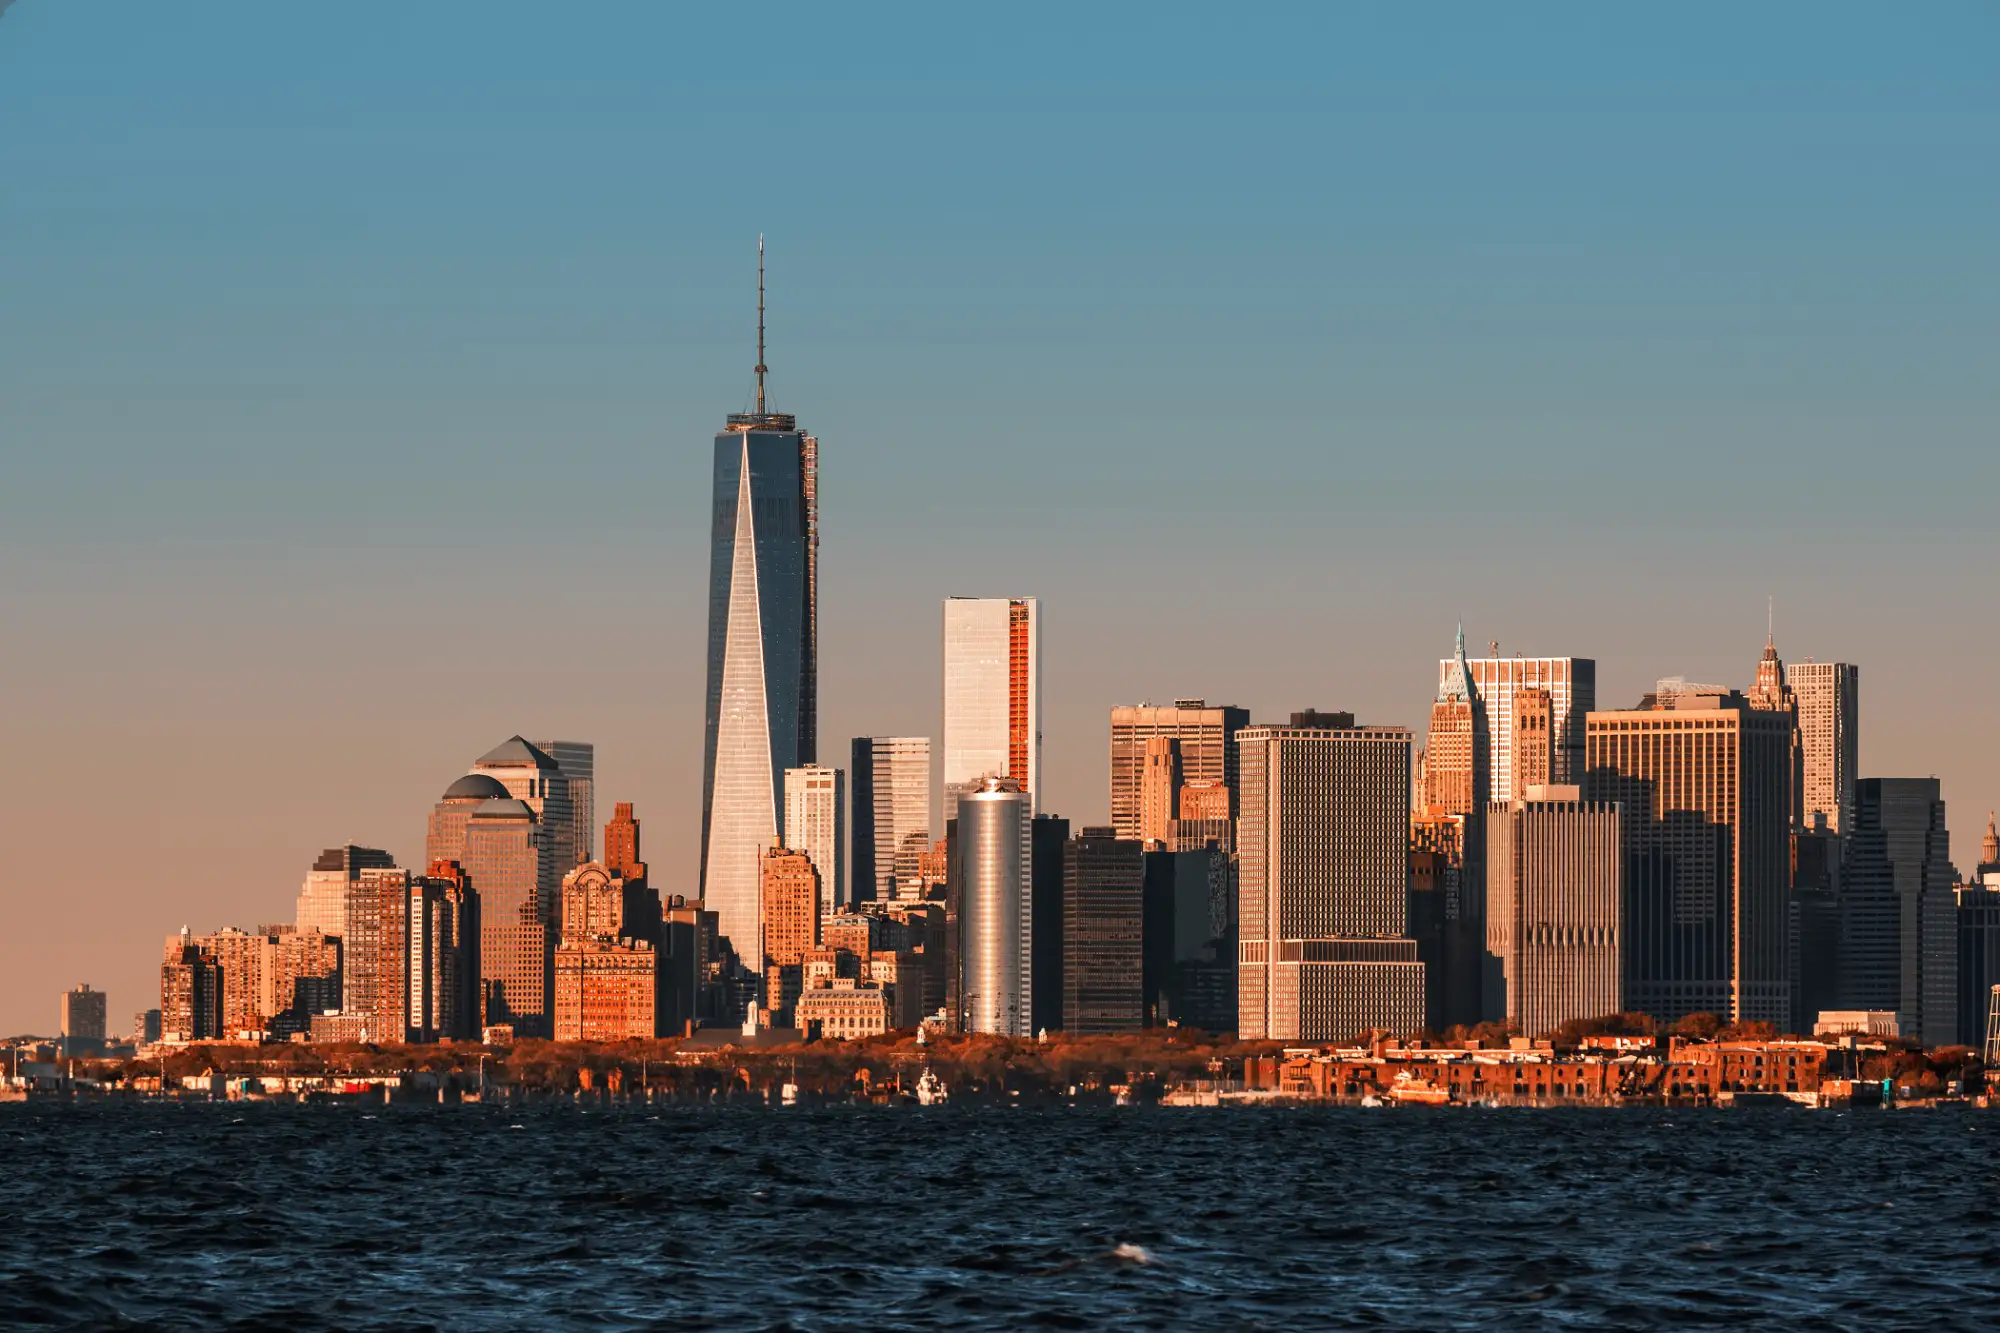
(763,650)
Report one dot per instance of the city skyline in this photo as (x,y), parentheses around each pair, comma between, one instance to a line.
(272,543)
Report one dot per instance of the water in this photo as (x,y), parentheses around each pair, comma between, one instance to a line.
(220,1216)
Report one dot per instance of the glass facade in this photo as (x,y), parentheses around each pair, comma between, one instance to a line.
(762,632)
(892,815)
(992,693)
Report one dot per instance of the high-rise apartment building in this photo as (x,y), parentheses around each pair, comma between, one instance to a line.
(992,693)
(240,958)
(816,824)
(514,871)
(330,884)
(891,778)
(375,953)
(1204,745)
(190,992)
(443,934)
(1899,922)
(1555,908)
(1104,887)
(1701,781)
(1571,683)
(992,891)
(1829,703)
(83,1020)
(578,762)
(145,1027)
(1323,841)
(763,647)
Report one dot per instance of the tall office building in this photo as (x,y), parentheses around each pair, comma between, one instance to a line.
(1159,790)
(1978,905)
(992,889)
(1770,693)
(1898,929)
(816,824)
(1534,742)
(1323,944)
(444,834)
(83,1020)
(891,778)
(330,883)
(1829,701)
(1700,778)
(607,965)
(763,646)
(1555,907)
(1457,752)
(578,761)
(621,845)
(992,694)
(1204,743)
(1458,758)
(1104,892)
(790,929)
(511,866)
(534,778)
(1571,683)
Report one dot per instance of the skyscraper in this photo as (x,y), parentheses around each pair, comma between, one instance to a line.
(1898,927)
(1324,875)
(763,646)
(534,778)
(1159,790)
(1204,743)
(892,815)
(578,761)
(993,893)
(1770,693)
(1104,885)
(992,694)
(621,845)
(1829,699)
(511,867)
(815,823)
(1700,778)
(1555,909)
(1571,683)
(1457,770)
(330,883)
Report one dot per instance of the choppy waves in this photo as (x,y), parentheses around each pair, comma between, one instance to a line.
(309,1218)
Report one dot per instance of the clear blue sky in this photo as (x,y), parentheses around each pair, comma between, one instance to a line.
(358,365)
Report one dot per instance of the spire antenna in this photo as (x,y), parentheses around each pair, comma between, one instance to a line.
(761,367)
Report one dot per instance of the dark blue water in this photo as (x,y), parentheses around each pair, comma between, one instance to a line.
(264,1216)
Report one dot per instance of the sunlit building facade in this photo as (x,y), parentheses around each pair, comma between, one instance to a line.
(815,823)
(891,778)
(762,655)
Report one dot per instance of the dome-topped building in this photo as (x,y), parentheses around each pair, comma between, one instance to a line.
(475,787)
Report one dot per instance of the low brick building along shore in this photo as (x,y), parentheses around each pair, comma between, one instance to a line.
(1534,1073)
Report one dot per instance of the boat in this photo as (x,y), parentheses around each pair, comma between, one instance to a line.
(1409,1089)
(930,1089)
